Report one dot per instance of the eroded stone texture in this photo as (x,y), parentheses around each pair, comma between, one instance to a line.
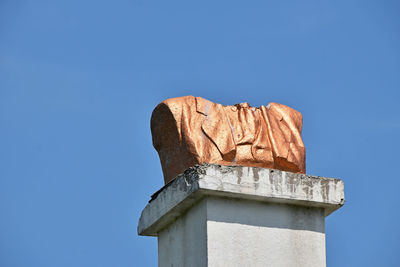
(214,215)
(248,183)
(192,130)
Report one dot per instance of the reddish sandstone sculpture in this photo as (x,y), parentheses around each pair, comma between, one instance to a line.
(192,130)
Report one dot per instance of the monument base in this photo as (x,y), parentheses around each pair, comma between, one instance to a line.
(241,216)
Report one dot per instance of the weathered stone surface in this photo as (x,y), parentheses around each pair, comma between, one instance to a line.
(234,232)
(237,182)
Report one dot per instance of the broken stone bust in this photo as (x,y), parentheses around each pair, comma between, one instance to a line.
(191,130)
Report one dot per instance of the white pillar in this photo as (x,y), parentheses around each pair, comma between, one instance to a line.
(241,216)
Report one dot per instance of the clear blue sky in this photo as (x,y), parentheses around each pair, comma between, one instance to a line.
(79,80)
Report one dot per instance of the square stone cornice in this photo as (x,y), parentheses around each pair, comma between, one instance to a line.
(238,182)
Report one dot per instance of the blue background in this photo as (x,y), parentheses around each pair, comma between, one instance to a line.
(79,80)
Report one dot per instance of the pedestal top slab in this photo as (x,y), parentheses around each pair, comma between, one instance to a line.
(247,183)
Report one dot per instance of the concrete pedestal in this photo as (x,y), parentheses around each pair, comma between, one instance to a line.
(241,216)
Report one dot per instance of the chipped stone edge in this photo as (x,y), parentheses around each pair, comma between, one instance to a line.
(249,183)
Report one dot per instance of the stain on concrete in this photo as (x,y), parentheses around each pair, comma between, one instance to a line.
(256,174)
(239,175)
